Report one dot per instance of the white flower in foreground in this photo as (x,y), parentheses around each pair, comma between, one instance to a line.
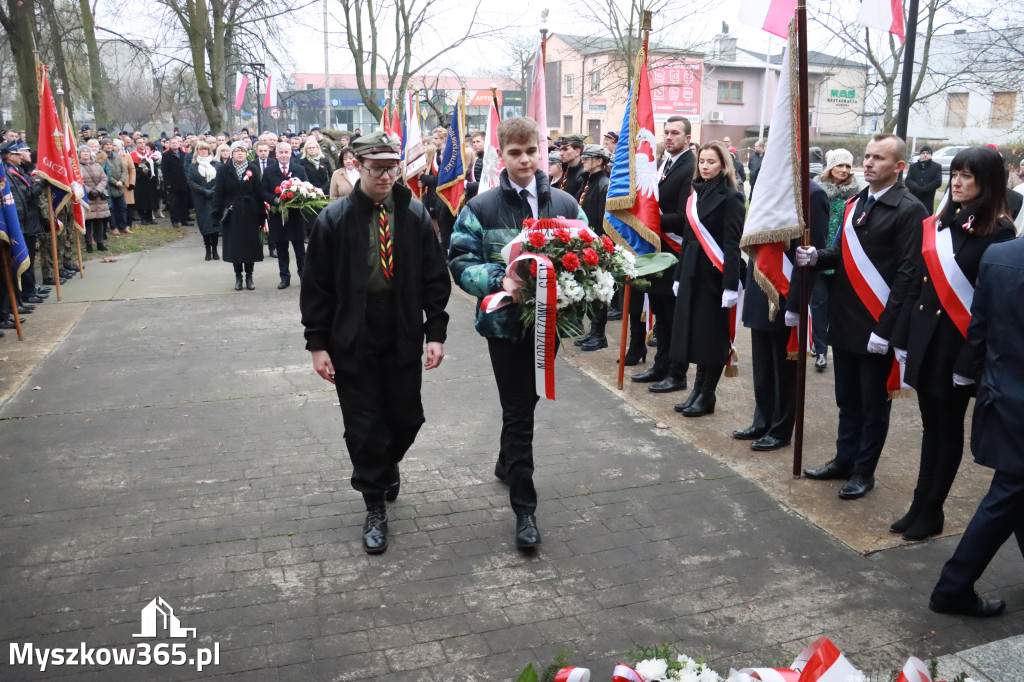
(652,669)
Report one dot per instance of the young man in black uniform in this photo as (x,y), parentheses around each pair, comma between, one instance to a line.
(374,287)
(592,196)
(572,165)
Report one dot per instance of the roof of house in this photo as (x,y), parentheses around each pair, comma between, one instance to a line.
(814,58)
(590,45)
(347,81)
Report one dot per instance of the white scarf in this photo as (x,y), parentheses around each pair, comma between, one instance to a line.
(205,169)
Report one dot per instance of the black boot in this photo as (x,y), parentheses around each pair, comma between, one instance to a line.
(637,351)
(585,338)
(248,282)
(904,523)
(238,282)
(597,339)
(929,522)
(209,256)
(88,248)
(698,382)
(705,402)
(100,246)
(213,247)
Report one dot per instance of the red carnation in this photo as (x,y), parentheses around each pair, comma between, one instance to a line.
(289,195)
(277,190)
(590,257)
(562,234)
(537,239)
(570,262)
(607,243)
(533,268)
(586,237)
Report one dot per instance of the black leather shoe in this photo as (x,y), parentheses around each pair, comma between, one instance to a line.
(749,433)
(653,343)
(768,443)
(527,534)
(614,314)
(930,521)
(820,363)
(8,324)
(649,377)
(42,290)
(392,493)
(857,487)
(24,309)
(33,299)
(583,339)
(668,385)
(375,531)
(73,267)
(968,605)
(273,253)
(596,342)
(831,470)
(284,284)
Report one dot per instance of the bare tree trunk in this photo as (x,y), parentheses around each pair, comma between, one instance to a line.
(99,107)
(19,23)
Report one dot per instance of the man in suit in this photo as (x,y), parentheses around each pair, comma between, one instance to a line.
(173,167)
(774,373)
(676,174)
(284,232)
(262,161)
(995,337)
(885,222)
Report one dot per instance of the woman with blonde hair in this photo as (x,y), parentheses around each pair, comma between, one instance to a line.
(708,275)
(202,179)
(223,155)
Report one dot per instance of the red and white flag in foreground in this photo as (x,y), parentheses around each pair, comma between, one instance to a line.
(270,96)
(883,15)
(241,83)
(538,109)
(770,15)
(493,164)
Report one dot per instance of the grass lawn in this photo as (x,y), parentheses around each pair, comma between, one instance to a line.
(146,237)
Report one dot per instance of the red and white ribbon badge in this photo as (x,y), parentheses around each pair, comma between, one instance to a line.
(623,673)
(822,662)
(772,674)
(573,675)
(707,242)
(544,335)
(952,286)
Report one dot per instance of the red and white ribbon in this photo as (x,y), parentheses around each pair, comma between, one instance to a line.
(822,662)
(573,675)
(953,288)
(544,334)
(735,318)
(914,671)
(770,674)
(623,673)
(707,242)
(871,288)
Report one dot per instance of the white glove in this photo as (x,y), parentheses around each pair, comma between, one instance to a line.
(675,288)
(808,256)
(792,319)
(959,380)
(901,355)
(876,344)
(730,298)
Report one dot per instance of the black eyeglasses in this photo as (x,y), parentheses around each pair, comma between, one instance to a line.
(376,172)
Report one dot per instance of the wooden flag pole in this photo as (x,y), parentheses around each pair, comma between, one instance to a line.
(6,265)
(78,245)
(624,337)
(53,240)
(805,197)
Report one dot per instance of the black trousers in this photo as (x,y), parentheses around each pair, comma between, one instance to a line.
(942,443)
(1000,515)
(177,206)
(864,407)
(664,308)
(513,365)
(283,261)
(28,278)
(248,267)
(774,384)
(381,408)
(445,227)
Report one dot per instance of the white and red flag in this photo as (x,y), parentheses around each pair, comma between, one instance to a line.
(270,96)
(396,121)
(52,162)
(538,109)
(241,83)
(412,145)
(493,164)
(883,15)
(79,200)
(769,15)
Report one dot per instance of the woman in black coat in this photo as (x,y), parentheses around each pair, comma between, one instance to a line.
(238,209)
(929,338)
(706,291)
(201,175)
(318,171)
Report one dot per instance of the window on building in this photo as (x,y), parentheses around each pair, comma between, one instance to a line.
(570,85)
(1004,106)
(309,86)
(595,82)
(567,125)
(956,110)
(730,92)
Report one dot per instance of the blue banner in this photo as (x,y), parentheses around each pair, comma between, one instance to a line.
(10,227)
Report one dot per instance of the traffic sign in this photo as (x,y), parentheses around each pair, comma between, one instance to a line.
(275,113)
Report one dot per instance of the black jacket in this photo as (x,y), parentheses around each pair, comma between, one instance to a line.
(935,348)
(891,236)
(755,302)
(997,355)
(238,211)
(571,180)
(673,191)
(333,295)
(753,168)
(26,193)
(319,174)
(278,230)
(700,329)
(173,168)
(592,204)
(923,178)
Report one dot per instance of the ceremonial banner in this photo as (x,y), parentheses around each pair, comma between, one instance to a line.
(10,228)
(241,83)
(769,15)
(51,165)
(775,216)
(632,217)
(270,96)
(451,176)
(79,200)
(413,151)
(493,164)
(538,109)
(396,122)
(385,119)
(883,15)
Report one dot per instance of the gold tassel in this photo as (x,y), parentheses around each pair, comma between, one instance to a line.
(732,371)
(901,393)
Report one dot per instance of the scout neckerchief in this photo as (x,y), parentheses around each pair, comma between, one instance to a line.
(387,265)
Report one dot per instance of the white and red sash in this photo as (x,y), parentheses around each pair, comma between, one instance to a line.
(623,673)
(869,286)
(573,675)
(953,288)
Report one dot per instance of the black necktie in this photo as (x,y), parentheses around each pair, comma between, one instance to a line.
(526,203)
(263,167)
(666,169)
(870,202)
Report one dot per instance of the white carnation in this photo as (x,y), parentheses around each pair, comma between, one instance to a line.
(569,290)
(652,669)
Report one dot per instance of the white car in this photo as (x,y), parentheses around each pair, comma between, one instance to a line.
(943,157)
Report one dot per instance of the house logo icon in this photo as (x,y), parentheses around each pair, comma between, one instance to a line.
(158,616)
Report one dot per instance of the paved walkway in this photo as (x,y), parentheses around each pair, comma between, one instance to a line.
(180,446)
